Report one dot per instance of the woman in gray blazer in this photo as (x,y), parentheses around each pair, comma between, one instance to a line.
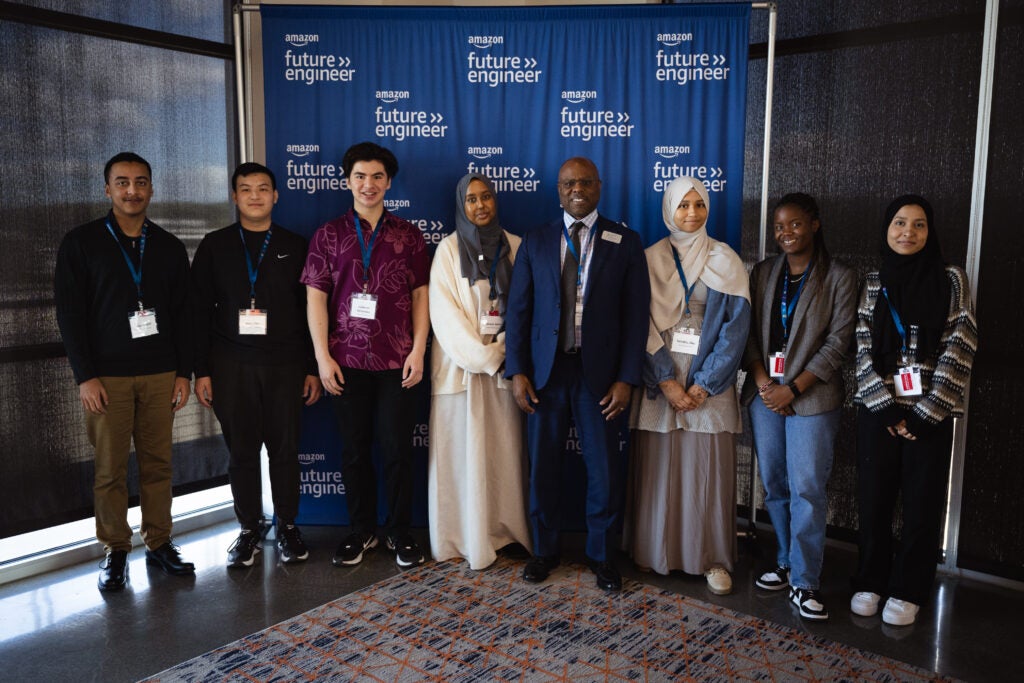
(804,315)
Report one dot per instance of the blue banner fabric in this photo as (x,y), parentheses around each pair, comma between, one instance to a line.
(647,92)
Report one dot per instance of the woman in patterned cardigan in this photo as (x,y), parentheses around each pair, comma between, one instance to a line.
(916,338)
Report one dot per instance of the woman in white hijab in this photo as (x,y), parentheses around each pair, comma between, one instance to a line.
(681,500)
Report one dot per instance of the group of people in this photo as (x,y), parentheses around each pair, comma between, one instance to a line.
(572,320)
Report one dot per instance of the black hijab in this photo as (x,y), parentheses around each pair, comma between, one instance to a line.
(477,246)
(918,288)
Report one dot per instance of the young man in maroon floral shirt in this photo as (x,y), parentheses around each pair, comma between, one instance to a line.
(366,280)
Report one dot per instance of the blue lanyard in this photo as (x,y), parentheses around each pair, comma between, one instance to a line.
(788,306)
(254,272)
(494,269)
(687,290)
(900,329)
(572,249)
(136,274)
(366,249)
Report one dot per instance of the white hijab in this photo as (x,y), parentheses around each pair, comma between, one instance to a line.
(702,258)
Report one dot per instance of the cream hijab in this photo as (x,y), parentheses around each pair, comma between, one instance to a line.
(702,257)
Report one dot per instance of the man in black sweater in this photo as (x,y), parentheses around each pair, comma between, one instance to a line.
(254,359)
(121,289)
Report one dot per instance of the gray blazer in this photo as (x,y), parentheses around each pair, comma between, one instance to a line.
(821,336)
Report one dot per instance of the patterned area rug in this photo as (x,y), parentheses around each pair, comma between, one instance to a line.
(445,622)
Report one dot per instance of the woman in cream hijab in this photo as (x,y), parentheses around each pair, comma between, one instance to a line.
(681,501)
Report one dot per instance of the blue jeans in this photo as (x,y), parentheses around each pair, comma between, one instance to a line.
(795,457)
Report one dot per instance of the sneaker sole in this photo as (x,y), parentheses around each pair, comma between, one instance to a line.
(772,587)
(252,559)
(406,565)
(338,562)
(813,617)
(902,622)
(292,559)
(863,612)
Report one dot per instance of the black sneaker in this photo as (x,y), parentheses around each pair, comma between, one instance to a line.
(244,550)
(290,544)
(809,602)
(407,553)
(352,548)
(775,580)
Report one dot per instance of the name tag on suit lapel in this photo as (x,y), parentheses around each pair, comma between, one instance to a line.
(612,237)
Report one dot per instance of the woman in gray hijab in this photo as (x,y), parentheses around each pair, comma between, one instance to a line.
(476,488)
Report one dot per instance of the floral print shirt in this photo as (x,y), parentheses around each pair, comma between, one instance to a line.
(399,263)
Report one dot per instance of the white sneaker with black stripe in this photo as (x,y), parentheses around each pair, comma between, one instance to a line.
(809,602)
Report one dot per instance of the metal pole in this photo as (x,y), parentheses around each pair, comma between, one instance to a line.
(751,532)
(773,12)
(956,472)
(241,98)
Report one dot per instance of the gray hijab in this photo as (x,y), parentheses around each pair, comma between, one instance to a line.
(475,242)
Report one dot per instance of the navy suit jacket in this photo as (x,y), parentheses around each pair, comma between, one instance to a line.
(616,307)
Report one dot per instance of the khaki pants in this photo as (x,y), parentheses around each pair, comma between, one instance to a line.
(139,408)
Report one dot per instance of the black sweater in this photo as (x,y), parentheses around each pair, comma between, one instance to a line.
(220,287)
(95,296)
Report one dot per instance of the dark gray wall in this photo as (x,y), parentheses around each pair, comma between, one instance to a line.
(873,100)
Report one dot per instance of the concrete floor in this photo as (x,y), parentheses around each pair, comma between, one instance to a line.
(59,627)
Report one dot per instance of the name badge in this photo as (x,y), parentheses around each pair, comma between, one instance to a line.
(363,305)
(686,340)
(491,323)
(143,323)
(777,361)
(908,381)
(612,237)
(252,321)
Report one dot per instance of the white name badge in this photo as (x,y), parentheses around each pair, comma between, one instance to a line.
(908,381)
(363,305)
(252,321)
(777,361)
(612,237)
(686,340)
(491,323)
(143,323)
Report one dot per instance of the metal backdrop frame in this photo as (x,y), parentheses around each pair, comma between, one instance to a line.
(247,51)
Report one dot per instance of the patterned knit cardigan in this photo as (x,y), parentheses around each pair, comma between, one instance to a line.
(944,374)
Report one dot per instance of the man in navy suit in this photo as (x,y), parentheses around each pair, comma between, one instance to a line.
(576,329)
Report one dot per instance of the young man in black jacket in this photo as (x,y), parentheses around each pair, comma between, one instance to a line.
(121,289)
(254,359)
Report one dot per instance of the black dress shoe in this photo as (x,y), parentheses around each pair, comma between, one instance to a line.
(538,568)
(167,558)
(608,577)
(114,571)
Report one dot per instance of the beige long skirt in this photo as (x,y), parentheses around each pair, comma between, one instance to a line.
(681,501)
(476,473)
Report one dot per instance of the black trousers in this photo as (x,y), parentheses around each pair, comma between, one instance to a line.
(886,467)
(375,409)
(259,405)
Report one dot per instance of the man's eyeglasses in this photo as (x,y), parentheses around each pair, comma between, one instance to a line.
(584,183)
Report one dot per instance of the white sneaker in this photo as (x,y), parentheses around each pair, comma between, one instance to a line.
(809,602)
(899,612)
(719,581)
(865,604)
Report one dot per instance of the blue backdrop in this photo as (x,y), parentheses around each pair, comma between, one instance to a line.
(647,92)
